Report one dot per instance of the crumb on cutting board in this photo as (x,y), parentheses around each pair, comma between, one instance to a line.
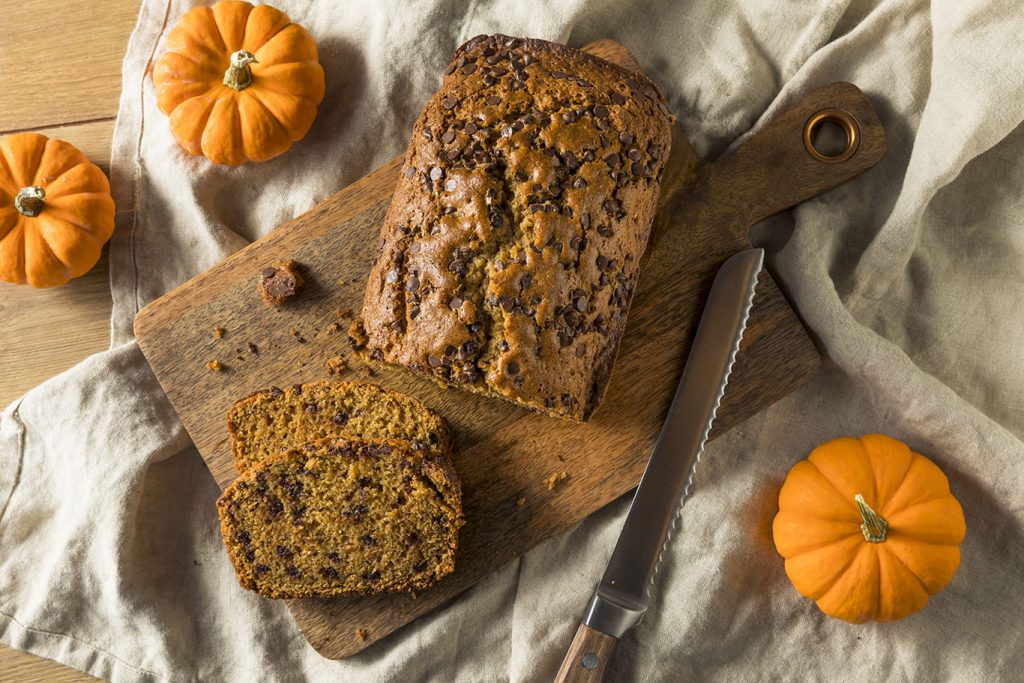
(336,365)
(298,335)
(215,366)
(521,502)
(280,282)
(218,331)
(361,634)
(253,349)
(346,313)
(556,479)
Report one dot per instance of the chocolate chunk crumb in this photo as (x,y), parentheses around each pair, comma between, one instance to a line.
(280,282)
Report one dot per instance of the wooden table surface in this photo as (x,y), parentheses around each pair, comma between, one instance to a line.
(60,75)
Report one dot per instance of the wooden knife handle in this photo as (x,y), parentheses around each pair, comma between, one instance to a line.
(587,658)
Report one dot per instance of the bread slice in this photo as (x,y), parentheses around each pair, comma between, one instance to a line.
(271,421)
(343,517)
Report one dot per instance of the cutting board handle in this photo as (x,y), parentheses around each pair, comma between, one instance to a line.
(778,167)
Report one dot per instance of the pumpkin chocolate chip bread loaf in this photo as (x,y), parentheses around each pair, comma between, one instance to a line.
(510,252)
(269,422)
(343,517)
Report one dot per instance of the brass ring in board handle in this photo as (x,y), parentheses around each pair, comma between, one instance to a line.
(841,118)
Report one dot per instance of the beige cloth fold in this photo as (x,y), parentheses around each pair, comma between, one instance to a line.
(911,279)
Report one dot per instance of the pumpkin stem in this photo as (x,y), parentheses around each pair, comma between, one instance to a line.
(29,201)
(874,527)
(238,75)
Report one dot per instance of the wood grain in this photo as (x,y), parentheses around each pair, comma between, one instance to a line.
(505,453)
(60,62)
(587,658)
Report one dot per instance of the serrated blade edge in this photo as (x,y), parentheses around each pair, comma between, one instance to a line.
(623,594)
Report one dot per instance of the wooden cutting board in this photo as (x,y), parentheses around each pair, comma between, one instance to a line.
(506,453)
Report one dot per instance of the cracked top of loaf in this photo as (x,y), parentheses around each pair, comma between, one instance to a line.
(510,252)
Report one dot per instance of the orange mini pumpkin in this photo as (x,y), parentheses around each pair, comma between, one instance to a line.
(868,528)
(56,212)
(240,83)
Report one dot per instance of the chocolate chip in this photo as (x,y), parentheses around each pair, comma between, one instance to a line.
(371,576)
(333,557)
(260,569)
(340,418)
(626,138)
(637,169)
(276,391)
(468,69)
(329,572)
(367,539)
(455,303)
(283,552)
(251,555)
(449,103)
(243,537)
(569,117)
(448,137)
(436,172)
(453,153)
(564,339)
(508,303)
(512,367)
(458,266)
(526,281)
(276,508)
(358,511)
(582,305)
(419,566)
(601,111)
(503,345)
(312,408)
(412,283)
(450,350)
(612,160)
(451,68)
(579,183)
(450,184)
(293,572)
(434,361)
(410,172)
(492,101)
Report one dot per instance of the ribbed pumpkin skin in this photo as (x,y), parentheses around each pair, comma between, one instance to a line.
(829,560)
(226,125)
(65,239)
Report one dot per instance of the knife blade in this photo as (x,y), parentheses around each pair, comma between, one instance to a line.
(623,594)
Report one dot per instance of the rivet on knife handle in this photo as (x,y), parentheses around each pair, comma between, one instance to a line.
(622,596)
(587,658)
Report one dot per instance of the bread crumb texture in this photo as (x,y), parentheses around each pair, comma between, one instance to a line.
(511,249)
(555,479)
(271,421)
(342,517)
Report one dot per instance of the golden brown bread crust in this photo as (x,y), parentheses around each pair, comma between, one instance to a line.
(270,421)
(510,252)
(343,517)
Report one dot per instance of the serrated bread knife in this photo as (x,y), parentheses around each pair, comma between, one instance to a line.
(622,596)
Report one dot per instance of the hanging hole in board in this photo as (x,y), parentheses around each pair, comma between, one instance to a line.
(831,135)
